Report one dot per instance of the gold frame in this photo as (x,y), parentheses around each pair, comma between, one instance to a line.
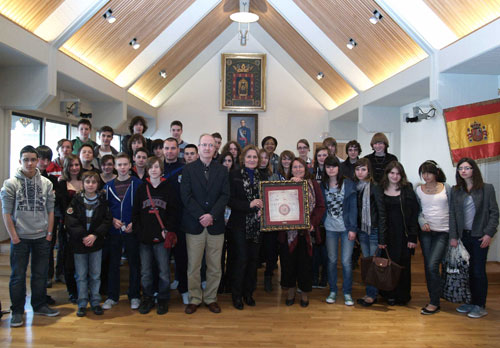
(224,57)
(264,226)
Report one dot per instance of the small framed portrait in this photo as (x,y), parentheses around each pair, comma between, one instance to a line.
(286,205)
(243,82)
(243,128)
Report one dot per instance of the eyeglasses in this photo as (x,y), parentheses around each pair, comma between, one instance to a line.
(207,145)
(461,169)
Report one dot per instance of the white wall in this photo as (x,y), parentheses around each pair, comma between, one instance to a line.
(428,139)
(292,113)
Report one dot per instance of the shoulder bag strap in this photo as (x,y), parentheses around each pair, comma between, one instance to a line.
(154,207)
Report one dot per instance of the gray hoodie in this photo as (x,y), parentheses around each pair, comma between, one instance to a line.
(29,201)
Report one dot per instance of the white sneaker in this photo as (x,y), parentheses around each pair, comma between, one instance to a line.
(203,285)
(108,304)
(348,300)
(332,297)
(135,303)
(185,298)
(174,285)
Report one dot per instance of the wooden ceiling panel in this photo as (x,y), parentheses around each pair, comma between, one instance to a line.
(298,48)
(383,49)
(105,47)
(465,16)
(28,13)
(184,51)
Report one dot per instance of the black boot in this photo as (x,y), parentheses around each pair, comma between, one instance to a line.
(162,307)
(268,283)
(237,302)
(146,305)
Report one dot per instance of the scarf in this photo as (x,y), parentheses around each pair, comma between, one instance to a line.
(366,218)
(251,188)
(292,235)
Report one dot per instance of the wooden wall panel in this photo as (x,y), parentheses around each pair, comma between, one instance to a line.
(383,50)
(28,13)
(298,48)
(105,47)
(465,16)
(179,56)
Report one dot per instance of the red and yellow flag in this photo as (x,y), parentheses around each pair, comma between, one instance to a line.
(474,130)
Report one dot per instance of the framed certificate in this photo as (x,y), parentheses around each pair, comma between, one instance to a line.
(286,205)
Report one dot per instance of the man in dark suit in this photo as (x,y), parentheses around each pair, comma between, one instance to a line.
(204,193)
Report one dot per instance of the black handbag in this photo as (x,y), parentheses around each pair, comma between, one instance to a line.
(382,273)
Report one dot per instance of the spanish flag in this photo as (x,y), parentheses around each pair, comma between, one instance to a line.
(474,130)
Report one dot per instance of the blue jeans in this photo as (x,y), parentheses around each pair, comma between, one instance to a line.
(332,246)
(369,245)
(114,249)
(478,280)
(150,254)
(88,278)
(433,246)
(19,259)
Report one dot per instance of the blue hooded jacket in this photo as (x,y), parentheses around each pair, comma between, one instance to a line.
(121,209)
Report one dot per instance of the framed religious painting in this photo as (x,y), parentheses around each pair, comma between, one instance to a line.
(243,79)
(286,205)
(243,128)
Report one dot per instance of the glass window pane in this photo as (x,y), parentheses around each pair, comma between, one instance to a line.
(53,133)
(74,132)
(24,131)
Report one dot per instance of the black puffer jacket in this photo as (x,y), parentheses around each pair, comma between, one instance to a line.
(76,223)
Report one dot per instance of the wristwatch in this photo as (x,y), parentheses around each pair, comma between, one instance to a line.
(49,233)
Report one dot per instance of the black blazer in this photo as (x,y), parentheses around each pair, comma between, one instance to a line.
(200,196)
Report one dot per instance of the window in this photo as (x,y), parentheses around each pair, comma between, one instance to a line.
(54,131)
(74,132)
(25,130)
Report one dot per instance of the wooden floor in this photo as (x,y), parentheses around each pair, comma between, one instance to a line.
(269,324)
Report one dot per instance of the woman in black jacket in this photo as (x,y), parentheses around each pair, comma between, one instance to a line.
(371,219)
(88,220)
(400,239)
(244,225)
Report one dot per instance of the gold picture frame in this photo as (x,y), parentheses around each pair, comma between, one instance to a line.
(286,205)
(243,82)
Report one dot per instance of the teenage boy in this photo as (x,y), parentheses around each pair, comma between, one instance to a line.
(176,132)
(191,153)
(172,171)
(120,194)
(28,214)
(139,169)
(64,148)
(106,134)
(44,159)
(353,150)
(157,147)
(205,194)
(155,221)
(218,144)
(84,128)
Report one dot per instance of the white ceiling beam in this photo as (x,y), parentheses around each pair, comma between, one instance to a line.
(292,67)
(322,44)
(165,41)
(67,19)
(195,65)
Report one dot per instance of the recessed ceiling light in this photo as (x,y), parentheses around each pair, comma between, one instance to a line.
(135,45)
(320,76)
(351,44)
(163,74)
(376,17)
(109,16)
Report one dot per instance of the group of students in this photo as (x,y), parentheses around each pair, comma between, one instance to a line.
(164,198)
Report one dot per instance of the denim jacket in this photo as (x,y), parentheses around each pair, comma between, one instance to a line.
(350,206)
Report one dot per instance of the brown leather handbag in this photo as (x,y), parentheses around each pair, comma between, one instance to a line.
(382,273)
